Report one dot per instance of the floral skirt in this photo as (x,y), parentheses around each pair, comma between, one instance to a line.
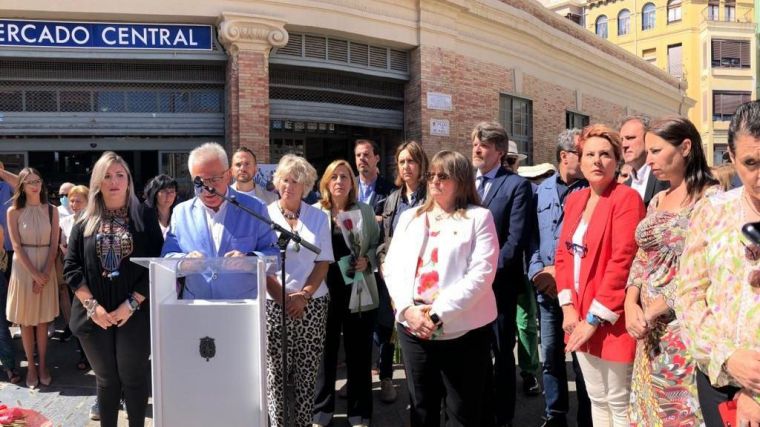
(664,386)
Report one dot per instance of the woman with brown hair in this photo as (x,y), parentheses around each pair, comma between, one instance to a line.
(440,270)
(338,188)
(33,288)
(663,387)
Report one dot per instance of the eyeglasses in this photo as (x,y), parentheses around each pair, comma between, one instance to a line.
(440,175)
(576,249)
(511,161)
(213,180)
(33,182)
(64,195)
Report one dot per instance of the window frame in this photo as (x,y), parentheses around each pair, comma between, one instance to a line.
(624,23)
(524,140)
(718,117)
(648,16)
(571,117)
(601,22)
(674,9)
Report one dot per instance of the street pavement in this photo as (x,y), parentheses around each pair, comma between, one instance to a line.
(66,402)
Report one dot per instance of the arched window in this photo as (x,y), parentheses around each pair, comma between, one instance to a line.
(647,22)
(624,22)
(601,26)
(674,11)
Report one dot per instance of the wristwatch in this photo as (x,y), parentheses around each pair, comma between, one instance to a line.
(594,320)
(437,320)
(134,304)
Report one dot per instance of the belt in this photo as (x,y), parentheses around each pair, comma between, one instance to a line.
(35,246)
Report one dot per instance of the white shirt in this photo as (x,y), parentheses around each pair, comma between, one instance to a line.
(215,222)
(578,237)
(639,182)
(66,223)
(314,227)
(490,175)
(64,211)
(258,192)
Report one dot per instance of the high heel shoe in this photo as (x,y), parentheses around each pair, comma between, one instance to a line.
(32,384)
(46,381)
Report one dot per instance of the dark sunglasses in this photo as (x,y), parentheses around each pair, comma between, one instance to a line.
(511,161)
(441,176)
(576,249)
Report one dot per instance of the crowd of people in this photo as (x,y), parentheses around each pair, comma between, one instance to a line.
(629,253)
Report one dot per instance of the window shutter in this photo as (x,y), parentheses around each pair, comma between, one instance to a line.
(675,64)
(716,44)
(744,53)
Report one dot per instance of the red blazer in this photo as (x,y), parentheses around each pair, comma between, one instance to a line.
(604,269)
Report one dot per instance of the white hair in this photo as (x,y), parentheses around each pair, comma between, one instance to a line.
(207,151)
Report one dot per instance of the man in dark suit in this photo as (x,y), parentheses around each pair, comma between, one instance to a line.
(632,130)
(509,197)
(374,190)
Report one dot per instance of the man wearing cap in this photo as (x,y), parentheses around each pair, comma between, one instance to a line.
(550,200)
(509,198)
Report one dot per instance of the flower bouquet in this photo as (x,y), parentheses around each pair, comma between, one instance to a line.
(362,298)
(20,417)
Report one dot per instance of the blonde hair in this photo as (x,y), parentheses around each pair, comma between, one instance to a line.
(93,214)
(460,170)
(326,200)
(81,190)
(297,168)
(724,174)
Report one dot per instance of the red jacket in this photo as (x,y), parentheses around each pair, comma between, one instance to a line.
(604,269)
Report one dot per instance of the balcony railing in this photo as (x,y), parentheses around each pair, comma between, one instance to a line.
(719,15)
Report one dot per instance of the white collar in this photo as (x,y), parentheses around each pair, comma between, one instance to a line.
(641,175)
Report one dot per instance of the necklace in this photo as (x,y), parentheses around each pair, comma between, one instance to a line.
(290,216)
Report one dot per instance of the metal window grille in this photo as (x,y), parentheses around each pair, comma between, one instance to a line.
(516,115)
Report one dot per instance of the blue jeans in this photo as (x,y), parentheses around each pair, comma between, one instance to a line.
(553,352)
(7,349)
(554,371)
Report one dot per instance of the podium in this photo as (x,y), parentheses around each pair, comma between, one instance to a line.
(208,357)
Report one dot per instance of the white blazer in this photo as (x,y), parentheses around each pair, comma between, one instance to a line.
(467,260)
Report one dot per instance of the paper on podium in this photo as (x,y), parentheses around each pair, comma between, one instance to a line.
(208,356)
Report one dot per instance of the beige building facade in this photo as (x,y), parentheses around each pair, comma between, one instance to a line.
(310,76)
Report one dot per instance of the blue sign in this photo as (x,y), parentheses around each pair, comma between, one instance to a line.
(104,35)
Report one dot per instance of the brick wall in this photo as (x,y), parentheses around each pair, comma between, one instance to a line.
(475,87)
(248,92)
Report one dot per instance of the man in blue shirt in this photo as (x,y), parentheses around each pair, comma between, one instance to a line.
(550,201)
(207,226)
(374,190)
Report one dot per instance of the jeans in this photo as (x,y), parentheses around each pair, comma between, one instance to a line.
(7,349)
(554,370)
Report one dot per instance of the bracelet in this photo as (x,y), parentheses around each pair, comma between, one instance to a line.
(90,304)
(133,304)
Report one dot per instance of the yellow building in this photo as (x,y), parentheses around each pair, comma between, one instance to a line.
(707,44)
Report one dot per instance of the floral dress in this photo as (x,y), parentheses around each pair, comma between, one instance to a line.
(663,386)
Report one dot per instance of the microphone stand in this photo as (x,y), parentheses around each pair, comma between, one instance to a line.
(282,243)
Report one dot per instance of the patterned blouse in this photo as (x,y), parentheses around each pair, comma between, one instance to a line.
(718,308)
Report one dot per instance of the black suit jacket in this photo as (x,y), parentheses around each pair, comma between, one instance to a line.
(654,186)
(510,200)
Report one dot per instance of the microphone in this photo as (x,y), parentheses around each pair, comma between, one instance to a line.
(751,230)
(198,182)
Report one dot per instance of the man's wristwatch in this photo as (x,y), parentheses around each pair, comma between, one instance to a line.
(90,304)
(133,303)
(593,319)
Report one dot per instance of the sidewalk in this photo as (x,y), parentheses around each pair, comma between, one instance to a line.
(67,401)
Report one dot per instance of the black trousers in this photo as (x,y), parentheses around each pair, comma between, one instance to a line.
(710,397)
(357,331)
(119,358)
(503,346)
(457,371)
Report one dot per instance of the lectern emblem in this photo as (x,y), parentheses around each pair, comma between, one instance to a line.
(207,348)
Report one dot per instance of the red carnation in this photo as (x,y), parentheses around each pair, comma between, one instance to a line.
(434,256)
(348,224)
